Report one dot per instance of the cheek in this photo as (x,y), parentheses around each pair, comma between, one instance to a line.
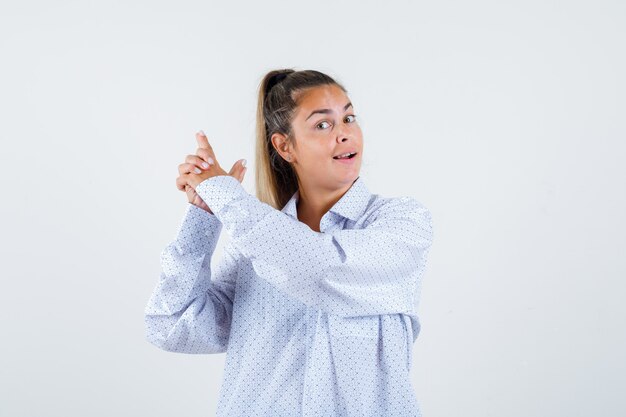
(358,133)
(315,156)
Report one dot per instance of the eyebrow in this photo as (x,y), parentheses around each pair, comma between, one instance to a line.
(327,110)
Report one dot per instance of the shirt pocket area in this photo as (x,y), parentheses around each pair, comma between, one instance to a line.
(362,326)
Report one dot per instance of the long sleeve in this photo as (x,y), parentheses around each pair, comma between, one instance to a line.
(190,310)
(349,272)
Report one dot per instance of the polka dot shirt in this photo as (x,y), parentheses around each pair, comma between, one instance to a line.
(312,323)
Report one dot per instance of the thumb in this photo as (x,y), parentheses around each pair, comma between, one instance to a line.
(238,170)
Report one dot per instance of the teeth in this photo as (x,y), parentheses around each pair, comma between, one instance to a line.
(344,155)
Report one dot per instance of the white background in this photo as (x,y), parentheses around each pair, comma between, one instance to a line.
(506,119)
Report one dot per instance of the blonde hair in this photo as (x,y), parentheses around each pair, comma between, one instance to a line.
(276,179)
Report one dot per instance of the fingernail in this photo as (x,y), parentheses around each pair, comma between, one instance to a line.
(205,165)
(201,132)
(211,161)
(197,170)
(243,162)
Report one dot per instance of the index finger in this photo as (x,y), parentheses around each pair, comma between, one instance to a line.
(203,141)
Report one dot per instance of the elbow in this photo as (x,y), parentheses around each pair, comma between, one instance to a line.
(158,331)
(163,342)
(178,340)
(155,334)
(156,342)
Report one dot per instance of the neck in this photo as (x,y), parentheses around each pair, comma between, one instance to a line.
(314,201)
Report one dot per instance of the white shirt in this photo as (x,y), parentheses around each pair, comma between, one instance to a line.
(313,323)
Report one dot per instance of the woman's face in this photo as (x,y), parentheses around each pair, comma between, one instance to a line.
(325,126)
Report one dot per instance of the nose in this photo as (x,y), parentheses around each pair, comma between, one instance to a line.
(342,134)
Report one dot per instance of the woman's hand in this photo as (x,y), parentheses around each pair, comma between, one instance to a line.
(193,172)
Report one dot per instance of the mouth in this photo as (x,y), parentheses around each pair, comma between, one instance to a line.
(347,155)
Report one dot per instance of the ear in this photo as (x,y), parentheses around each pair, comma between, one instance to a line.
(280,143)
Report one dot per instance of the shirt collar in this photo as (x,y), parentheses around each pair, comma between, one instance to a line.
(351,205)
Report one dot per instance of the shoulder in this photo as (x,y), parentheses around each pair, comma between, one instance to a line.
(397,207)
(404,215)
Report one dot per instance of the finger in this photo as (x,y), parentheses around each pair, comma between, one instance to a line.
(183,178)
(188,168)
(236,172)
(238,168)
(198,161)
(205,150)
(206,155)
(233,170)
(191,194)
(181,183)
(203,141)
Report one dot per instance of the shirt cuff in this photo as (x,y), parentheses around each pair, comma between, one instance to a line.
(199,230)
(220,190)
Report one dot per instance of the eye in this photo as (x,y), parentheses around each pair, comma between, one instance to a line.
(321,123)
(350,115)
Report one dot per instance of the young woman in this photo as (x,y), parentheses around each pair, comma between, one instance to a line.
(315,297)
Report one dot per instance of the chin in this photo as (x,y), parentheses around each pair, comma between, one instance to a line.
(349,178)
